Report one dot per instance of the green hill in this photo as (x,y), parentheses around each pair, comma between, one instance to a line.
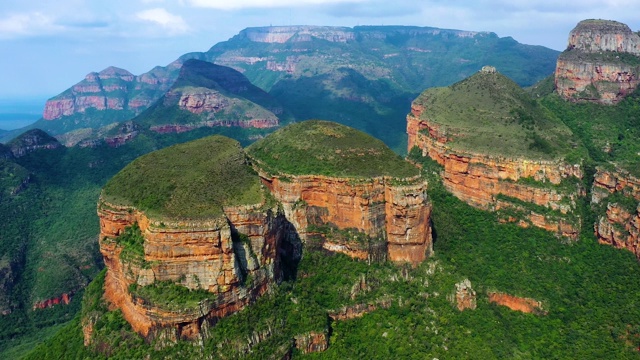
(490,114)
(327,148)
(176,182)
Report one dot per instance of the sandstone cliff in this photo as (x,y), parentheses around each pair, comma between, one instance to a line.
(30,141)
(527,188)
(601,63)
(372,219)
(111,89)
(346,191)
(199,255)
(617,194)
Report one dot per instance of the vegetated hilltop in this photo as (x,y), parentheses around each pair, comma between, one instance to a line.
(346,191)
(601,63)
(194,221)
(501,150)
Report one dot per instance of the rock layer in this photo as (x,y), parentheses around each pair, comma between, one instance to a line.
(619,225)
(490,182)
(526,305)
(395,219)
(600,63)
(195,254)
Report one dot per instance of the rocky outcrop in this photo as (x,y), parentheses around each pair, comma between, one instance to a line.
(111,89)
(282,34)
(374,219)
(465,296)
(31,141)
(64,299)
(526,305)
(493,183)
(358,310)
(620,228)
(618,180)
(233,257)
(600,63)
(312,342)
(617,193)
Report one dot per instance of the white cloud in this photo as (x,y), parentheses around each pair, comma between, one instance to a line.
(243,4)
(26,24)
(172,23)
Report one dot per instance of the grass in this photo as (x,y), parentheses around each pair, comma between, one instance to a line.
(191,180)
(327,148)
(490,114)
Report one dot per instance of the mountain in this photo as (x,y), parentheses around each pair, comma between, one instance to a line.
(601,63)
(363,77)
(205,94)
(195,219)
(366,76)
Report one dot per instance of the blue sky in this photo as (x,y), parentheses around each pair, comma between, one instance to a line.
(47,46)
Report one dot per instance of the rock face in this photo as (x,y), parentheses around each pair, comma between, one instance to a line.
(62,299)
(197,255)
(619,225)
(515,303)
(31,141)
(489,182)
(111,89)
(282,34)
(394,219)
(465,296)
(601,63)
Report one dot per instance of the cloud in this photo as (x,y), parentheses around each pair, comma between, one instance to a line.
(172,23)
(27,24)
(244,4)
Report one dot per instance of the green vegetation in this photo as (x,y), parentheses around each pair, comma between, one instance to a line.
(327,148)
(608,132)
(50,227)
(589,290)
(490,114)
(192,180)
(169,295)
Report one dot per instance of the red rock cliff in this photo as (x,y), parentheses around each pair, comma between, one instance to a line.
(619,225)
(396,217)
(593,68)
(480,179)
(194,254)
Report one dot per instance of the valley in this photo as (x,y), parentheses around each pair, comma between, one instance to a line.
(228,225)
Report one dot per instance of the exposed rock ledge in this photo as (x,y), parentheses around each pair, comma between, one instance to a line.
(480,179)
(393,213)
(197,255)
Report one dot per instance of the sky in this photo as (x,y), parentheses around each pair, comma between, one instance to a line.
(47,46)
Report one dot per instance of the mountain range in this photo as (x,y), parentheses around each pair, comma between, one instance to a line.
(317,238)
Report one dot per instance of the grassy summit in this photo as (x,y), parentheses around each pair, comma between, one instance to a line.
(190,180)
(327,148)
(488,113)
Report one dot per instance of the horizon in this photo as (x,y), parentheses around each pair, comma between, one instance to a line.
(54,45)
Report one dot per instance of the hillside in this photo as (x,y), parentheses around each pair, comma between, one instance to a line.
(171,182)
(328,149)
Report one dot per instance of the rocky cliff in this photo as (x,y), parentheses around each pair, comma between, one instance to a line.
(198,255)
(526,185)
(30,141)
(348,193)
(601,63)
(616,194)
(387,220)
(111,89)
(215,245)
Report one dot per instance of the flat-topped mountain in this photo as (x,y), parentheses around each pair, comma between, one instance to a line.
(500,150)
(601,63)
(197,217)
